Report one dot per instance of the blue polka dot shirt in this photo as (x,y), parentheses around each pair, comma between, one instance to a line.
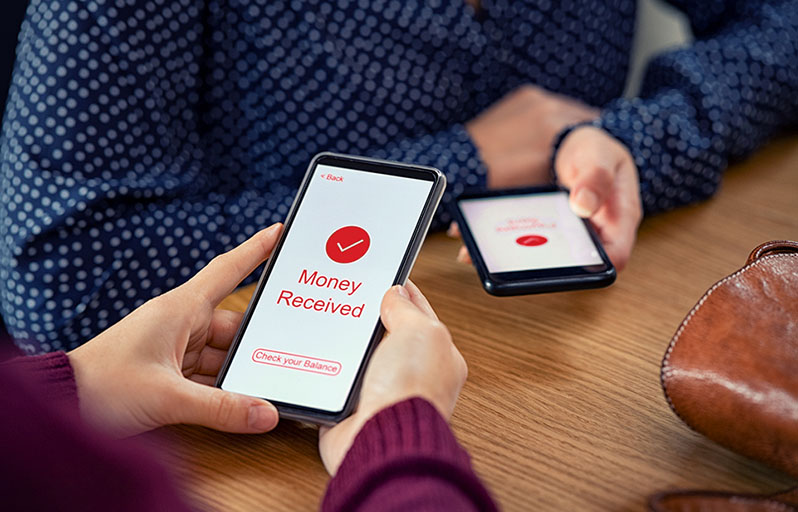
(143,137)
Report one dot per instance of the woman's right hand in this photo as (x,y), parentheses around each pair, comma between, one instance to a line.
(416,358)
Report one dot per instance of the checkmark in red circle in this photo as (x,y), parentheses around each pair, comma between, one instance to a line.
(348,244)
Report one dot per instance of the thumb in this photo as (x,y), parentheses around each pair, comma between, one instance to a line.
(398,309)
(223,410)
(587,165)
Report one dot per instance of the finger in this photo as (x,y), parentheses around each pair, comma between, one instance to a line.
(397,309)
(620,219)
(222,410)
(224,273)
(205,380)
(418,298)
(224,325)
(210,361)
(587,164)
(463,256)
(454,230)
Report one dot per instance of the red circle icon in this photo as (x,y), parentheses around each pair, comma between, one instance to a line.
(348,244)
(531,240)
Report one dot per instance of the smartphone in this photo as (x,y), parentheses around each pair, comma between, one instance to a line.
(525,241)
(354,230)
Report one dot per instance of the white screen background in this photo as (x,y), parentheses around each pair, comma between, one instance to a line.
(497,222)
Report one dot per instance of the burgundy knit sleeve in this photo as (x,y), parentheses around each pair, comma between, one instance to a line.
(51,373)
(406,458)
(52,461)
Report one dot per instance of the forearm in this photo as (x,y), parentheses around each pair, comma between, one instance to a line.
(59,463)
(711,103)
(406,458)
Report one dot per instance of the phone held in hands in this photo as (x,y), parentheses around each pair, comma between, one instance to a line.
(526,241)
(354,230)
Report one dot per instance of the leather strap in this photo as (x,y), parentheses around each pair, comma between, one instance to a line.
(772,247)
(743,313)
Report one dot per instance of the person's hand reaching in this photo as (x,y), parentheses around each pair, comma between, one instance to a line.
(416,358)
(157,366)
(602,178)
(515,139)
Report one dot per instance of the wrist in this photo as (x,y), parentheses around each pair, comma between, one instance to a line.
(90,387)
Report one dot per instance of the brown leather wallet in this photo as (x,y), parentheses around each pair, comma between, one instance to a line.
(731,373)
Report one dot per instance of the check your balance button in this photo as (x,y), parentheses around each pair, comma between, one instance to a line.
(296,362)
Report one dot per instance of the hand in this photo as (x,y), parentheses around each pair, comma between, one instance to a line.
(602,178)
(604,187)
(157,366)
(416,358)
(515,136)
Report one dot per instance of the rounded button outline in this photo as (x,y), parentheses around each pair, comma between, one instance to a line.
(264,359)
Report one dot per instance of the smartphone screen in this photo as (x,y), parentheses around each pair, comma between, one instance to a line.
(317,308)
(529,232)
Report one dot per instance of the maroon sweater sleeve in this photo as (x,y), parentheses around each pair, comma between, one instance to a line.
(52,461)
(406,458)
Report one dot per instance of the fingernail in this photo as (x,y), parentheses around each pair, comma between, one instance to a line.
(269,229)
(262,417)
(402,291)
(452,231)
(585,203)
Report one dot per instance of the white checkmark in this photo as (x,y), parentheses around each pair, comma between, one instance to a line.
(342,249)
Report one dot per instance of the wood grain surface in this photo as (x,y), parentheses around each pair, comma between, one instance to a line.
(563,408)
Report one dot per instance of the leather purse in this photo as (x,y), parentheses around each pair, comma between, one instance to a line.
(731,374)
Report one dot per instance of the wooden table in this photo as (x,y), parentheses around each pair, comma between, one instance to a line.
(563,408)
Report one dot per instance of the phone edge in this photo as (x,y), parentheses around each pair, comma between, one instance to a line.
(545,285)
(439,187)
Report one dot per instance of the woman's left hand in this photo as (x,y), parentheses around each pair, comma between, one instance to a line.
(157,366)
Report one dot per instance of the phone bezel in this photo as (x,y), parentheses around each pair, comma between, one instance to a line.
(522,282)
(438,180)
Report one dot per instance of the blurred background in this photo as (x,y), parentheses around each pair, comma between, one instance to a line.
(660,27)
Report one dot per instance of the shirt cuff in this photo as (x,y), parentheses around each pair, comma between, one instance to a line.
(52,372)
(407,438)
(676,164)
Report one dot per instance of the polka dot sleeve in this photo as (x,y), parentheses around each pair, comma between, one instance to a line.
(142,138)
(712,103)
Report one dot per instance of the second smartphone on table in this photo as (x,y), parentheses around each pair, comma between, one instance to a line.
(354,230)
(525,241)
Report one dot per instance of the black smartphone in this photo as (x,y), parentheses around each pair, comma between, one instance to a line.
(525,241)
(354,230)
